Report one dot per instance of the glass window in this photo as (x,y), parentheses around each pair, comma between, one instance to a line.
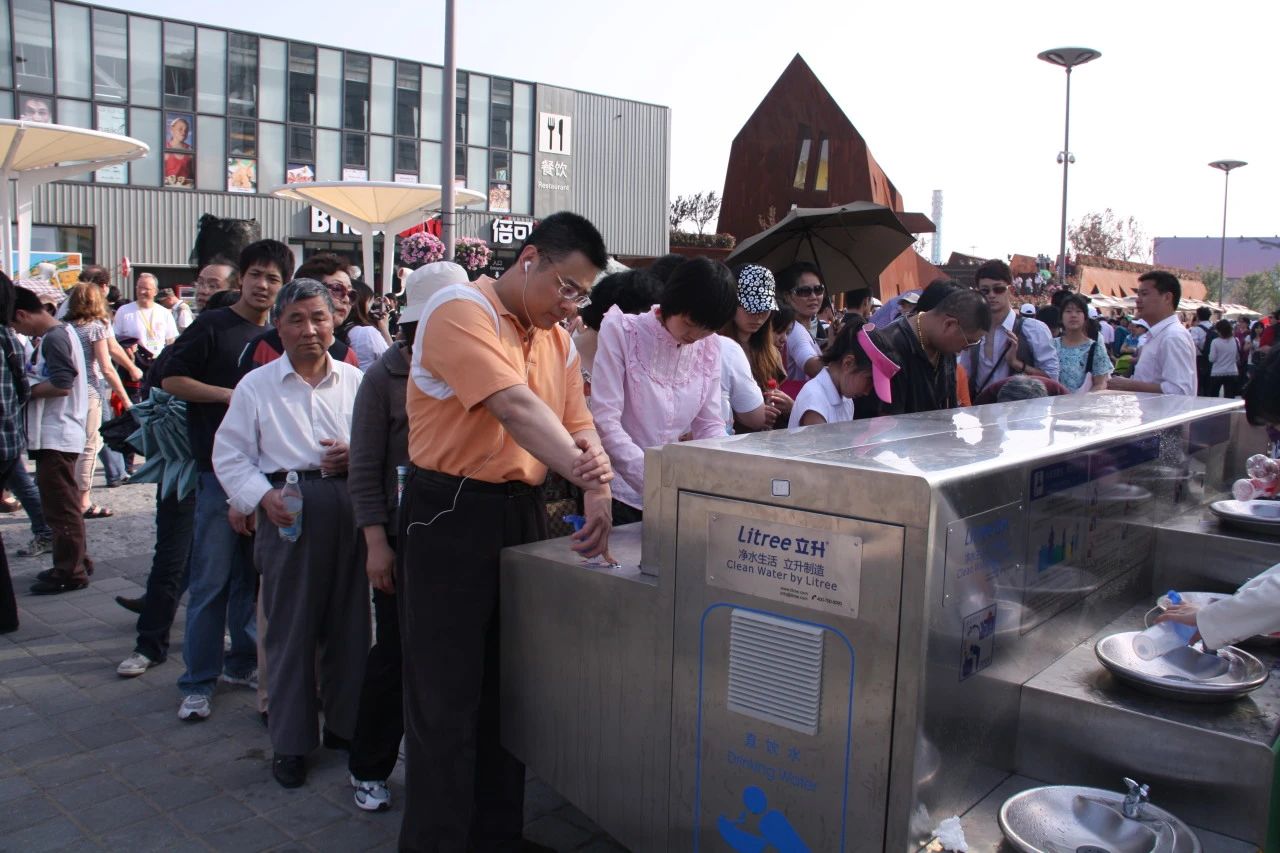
(499,165)
(407,99)
(429,164)
(6,104)
(459,164)
(520,183)
(242,138)
(179,66)
(211,46)
(76,114)
(407,156)
(33,45)
(460,129)
(328,143)
(820,183)
(113,120)
(478,121)
(302,145)
(302,84)
(522,117)
(432,103)
(380,158)
(6,57)
(478,172)
(144,61)
(382,112)
(355,150)
(74,53)
(500,115)
(145,125)
(270,155)
(271,80)
(211,161)
(802,165)
(329,97)
(242,75)
(355,92)
(110,56)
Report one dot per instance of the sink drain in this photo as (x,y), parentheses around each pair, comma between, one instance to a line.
(1089,848)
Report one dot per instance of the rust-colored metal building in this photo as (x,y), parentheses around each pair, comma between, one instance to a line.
(799,149)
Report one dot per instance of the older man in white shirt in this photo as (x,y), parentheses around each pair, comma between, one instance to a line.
(1167,364)
(151,324)
(294,414)
(1015,342)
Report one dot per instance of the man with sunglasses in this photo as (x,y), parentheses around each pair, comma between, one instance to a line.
(494,400)
(1014,343)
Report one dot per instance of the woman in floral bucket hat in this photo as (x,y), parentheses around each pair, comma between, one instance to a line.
(750,372)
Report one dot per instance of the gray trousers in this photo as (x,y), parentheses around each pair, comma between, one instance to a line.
(315,597)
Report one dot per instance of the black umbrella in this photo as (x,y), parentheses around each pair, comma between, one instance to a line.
(851,244)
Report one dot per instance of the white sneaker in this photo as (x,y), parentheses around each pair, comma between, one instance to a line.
(249,680)
(372,796)
(195,706)
(134,665)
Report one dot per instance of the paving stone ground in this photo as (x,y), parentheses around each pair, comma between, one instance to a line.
(92,761)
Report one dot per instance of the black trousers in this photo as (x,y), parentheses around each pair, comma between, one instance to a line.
(625,513)
(380,720)
(175,522)
(463,791)
(8,602)
(1216,384)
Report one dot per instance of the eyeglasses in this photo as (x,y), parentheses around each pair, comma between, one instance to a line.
(571,293)
(339,292)
(815,290)
(999,288)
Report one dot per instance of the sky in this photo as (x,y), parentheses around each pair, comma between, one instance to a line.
(948,95)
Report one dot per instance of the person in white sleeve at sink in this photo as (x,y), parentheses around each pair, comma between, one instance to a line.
(1255,607)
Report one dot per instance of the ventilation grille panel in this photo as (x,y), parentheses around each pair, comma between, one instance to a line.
(775,670)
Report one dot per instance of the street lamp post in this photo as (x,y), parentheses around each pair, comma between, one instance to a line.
(1067,58)
(1226,166)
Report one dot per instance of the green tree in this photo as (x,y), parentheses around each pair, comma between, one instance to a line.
(1259,291)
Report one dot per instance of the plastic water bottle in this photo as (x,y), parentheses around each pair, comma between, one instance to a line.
(1163,637)
(292,497)
(402,477)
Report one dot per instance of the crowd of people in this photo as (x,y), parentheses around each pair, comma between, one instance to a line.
(359,457)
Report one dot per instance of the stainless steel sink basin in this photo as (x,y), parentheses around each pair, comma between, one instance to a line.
(1069,819)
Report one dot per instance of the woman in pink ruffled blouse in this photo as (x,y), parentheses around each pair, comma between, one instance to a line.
(657,375)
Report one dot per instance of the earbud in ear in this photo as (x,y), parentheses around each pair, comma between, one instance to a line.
(526,266)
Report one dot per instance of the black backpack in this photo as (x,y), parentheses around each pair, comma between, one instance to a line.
(1203,364)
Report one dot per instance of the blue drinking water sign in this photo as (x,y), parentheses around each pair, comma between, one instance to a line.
(809,567)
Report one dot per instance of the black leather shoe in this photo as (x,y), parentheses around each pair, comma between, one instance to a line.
(289,770)
(45,575)
(54,586)
(332,741)
(133,605)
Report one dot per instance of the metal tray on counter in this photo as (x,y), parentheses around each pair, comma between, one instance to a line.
(1255,516)
(1186,674)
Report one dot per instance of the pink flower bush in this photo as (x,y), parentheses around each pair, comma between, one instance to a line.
(471,253)
(421,248)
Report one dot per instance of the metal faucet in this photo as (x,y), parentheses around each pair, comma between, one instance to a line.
(1133,800)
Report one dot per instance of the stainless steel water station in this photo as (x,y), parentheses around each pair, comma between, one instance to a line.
(819,640)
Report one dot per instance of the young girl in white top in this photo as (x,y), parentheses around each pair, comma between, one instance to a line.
(854,365)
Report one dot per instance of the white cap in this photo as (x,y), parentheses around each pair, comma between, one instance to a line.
(1094,313)
(911,297)
(1027,308)
(424,282)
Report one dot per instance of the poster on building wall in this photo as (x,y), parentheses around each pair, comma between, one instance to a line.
(499,196)
(35,109)
(350,174)
(179,142)
(113,120)
(406,178)
(68,264)
(242,175)
(300,173)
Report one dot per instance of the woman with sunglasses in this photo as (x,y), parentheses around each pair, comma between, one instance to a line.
(800,286)
(657,375)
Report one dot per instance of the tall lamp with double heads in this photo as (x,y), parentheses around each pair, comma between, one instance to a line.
(1226,166)
(1068,58)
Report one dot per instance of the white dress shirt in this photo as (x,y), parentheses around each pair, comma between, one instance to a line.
(1168,358)
(1107,332)
(992,367)
(153,326)
(1254,609)
(275,423)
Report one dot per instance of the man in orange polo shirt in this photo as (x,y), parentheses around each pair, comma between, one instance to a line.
(494,400)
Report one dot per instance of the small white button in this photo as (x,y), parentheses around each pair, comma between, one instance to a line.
(782,488)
